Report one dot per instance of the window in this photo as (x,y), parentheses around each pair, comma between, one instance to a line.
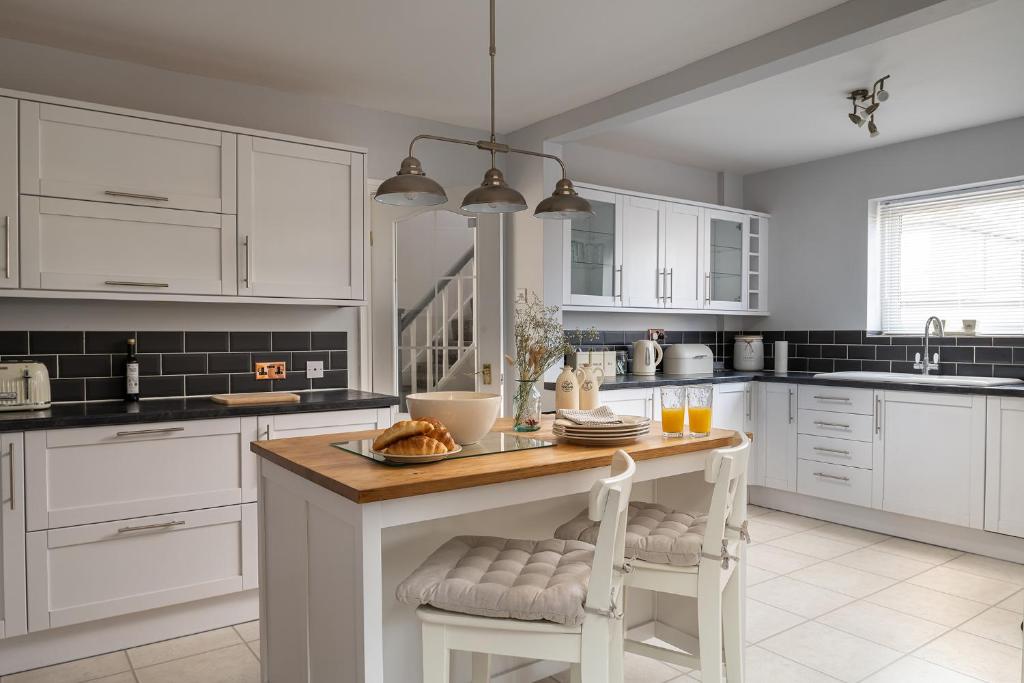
(958,255)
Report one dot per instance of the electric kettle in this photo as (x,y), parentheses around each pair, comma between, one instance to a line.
(647,356)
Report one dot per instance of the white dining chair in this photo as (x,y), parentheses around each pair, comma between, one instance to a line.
(551,599)
(693,555)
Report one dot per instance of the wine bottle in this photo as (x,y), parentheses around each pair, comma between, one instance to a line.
(131,373)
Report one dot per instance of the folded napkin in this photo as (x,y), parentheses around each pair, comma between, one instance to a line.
(598,416)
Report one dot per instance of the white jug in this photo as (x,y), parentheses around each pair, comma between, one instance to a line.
(567,390)
(647,356)
(590,382)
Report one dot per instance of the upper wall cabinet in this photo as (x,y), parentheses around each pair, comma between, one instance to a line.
(727,234)
(9,221)
(300,220)
(594,251)
(81,154)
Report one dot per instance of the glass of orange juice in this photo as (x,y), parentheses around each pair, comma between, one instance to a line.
(698,404)
(673,411)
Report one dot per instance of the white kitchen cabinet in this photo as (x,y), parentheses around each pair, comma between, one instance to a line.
(727,235)
(1004,471)
(93,246)
(13,612)
(631,401)
(933,456)
(733,406)
(300,220)
(642,273)
(778,435)
(289,425)
(8,193)
(76,153)
(683,260)
(593,272)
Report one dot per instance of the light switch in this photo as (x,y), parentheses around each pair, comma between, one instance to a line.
(314,369)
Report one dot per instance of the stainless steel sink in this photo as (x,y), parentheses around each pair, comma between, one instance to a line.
(914,378)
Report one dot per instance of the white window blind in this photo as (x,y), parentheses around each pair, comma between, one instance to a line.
(957,255)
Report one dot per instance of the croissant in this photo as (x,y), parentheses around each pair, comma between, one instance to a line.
(417,445)
(439,432)
(400,430)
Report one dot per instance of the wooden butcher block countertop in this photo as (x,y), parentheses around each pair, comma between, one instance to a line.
(363,480)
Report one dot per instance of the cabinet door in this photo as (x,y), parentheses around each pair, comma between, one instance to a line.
(593,253)
(630,402)
(684,257)
(81,154)
(642,275)
(934,456)
(8,193)
(13,614)
(727,246)
(732,406)
(300,220)
(779,436)
(1004,471)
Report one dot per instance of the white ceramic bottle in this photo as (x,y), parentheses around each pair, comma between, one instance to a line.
(567,390)
(590,383)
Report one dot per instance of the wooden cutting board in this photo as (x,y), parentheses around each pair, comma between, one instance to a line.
(255,398)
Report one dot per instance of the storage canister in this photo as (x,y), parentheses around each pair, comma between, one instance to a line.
(748,354)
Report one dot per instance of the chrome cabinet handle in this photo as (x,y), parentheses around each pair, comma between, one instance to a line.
(245,245)
(878,415)
(10,469)
(163,430)
(620,283)
(7,246)
(659,285)
(823,475)
(133,195)
(749,394)
(844,399)
(835,425)
(126,283)
(707,288)
(150,527)
(836,451)
(790,406)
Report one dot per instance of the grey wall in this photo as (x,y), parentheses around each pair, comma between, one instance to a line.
(818,246)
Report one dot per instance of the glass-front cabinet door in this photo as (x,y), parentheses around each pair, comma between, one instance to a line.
(727,240)
(593,251)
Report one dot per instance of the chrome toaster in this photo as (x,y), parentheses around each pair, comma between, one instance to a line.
(24,385)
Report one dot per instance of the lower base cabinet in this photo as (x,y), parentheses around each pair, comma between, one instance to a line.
(778,436)
(12,536)
(630,401)
(1004,469)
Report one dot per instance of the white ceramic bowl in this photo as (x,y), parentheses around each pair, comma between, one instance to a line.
(468,415)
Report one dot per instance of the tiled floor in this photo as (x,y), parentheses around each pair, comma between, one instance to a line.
(826,603)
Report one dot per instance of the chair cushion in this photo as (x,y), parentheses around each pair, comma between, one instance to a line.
(499,577)
(654,533)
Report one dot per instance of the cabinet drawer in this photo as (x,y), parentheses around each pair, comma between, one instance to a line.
(80,154)
(92,246)
(838,451)
(837,399)
(837,425)
(310,424)
(95,571)
(835,482)
(96,474)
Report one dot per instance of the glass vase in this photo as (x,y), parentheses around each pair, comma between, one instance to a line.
(526,406)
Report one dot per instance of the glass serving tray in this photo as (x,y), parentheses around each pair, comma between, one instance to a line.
(492,443)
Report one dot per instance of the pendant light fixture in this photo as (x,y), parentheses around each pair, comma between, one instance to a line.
(411,186)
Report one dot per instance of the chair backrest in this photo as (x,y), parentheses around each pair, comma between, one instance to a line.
(609,505)
(726,468)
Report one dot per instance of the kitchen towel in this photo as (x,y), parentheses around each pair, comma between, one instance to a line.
(781,357)
(598,416)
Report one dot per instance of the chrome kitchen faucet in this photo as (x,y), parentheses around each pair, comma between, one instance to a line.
(926,365)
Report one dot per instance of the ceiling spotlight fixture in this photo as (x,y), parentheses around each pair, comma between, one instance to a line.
(866,103)
(411,186)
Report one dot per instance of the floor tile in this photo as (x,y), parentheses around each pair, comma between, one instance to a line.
(964,585)
(757,511)
(778,560)
(922,552)
(1011,572)
(756,575)
(165,651)
(979,657)
(646,670)
(884,564)
(815,546)
(914,670)
(942,608)
(848,534)
(661,643)
(842,579)
(248,631)
(254,645)
(1014,603)
(996,624)
(760,532)
(792,521)
(831,651)
(884,626)
(764,620)
(763,666)
(797,597)
(75,672)
(235,664)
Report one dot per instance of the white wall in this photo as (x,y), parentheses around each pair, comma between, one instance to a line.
(818,248)
(428,245)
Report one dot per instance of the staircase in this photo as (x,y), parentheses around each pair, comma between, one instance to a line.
(436,342)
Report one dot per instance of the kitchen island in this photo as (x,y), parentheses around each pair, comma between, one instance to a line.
(339,531)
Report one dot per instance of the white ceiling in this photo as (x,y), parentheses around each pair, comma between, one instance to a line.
(426,58)
(956,73)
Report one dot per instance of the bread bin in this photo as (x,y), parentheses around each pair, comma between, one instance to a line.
(748,353)
(689,359)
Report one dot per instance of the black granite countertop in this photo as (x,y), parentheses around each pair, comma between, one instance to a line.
(174,409)
(728,376)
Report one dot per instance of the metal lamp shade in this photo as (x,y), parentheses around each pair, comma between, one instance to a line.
(564,204)
(411,187)
(493,196)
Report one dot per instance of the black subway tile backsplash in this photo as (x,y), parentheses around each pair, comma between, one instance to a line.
(206,341)
(204,385)
(993,354)
(67,389)
(184,364)
(85,365)
(13,343)
(161,342)
(55,342)
(325,341)
(104,388)
(163,385)
(250,341)
(229,362)
(849,336)
(289,341)
(822,337)
(332,379)
(107,342)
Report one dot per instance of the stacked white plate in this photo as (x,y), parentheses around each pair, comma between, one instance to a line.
(629,430)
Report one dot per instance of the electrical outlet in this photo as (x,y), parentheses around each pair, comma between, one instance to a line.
(271,370)
(314,369)
(656,334)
